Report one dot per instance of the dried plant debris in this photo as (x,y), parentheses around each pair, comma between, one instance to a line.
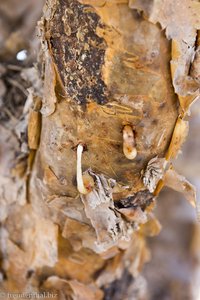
(13,94)
(34,79)
(16,101)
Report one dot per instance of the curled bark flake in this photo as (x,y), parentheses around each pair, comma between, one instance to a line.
(195,68)
(153,173)
(49,97)
(178,138)
(99,208)
(34,125)
(178,183)
(134,215)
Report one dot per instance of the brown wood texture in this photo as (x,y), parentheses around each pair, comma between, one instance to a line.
(105,67)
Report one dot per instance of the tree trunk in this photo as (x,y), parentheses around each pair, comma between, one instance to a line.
(83,164)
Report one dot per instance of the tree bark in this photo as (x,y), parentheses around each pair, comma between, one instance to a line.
(100,126)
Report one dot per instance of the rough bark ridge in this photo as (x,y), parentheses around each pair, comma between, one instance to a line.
(106,68)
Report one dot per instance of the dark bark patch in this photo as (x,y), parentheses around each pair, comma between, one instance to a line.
(78,51)
(141,199)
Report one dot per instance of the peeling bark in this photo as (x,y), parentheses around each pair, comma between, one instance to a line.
(104,66)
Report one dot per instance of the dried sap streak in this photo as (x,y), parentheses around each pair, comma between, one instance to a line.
(78,51)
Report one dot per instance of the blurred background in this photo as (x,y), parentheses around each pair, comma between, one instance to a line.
(173,272)
(18,19)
